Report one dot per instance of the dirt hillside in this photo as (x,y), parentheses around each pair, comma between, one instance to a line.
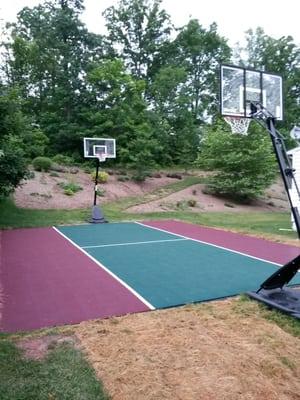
(44,191)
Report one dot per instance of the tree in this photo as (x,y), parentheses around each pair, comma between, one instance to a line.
(244,165)
(281,56)
(50,53)
(200,52)
(139,30)
(174,124)
(13,163)
(121,113)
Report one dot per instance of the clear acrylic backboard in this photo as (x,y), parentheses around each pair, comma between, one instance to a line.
(95,147)
(241,86)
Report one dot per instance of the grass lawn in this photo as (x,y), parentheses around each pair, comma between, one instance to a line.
(62,375)
(267,224)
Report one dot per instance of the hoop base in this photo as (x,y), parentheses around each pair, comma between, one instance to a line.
(238,124)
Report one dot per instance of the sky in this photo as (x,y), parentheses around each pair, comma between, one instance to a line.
(233,17)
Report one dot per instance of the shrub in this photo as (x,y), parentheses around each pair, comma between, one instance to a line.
(70,188)
(192,203)
(68,192)
(42,164)
(102,176)
(123,178)
(174,175)
(140,176)
(63,160)
(31,175)
(54,174)
(244,166)
(100,192)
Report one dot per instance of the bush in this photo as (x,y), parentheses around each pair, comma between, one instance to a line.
(174,175)
(140,176)
(100,192)
(123,178)
(35,143)
(13,166)
(192,203)
(68,192)
(102,176)
(42,164)
(69,187)
(63,160)
(244,165)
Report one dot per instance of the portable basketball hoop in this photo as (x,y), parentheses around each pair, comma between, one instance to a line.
(101,149)
(246,95)
(238,124)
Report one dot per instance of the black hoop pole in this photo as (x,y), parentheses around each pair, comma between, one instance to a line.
(96,181)
(266,119)
(286,169)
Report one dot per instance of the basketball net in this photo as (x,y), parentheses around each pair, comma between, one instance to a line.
(102,157)
(238,124)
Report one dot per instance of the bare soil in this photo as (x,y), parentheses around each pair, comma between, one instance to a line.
(36,348)
(211,351)
(44,192)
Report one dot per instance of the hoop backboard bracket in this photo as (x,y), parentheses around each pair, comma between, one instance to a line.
(95,147)
(241,86)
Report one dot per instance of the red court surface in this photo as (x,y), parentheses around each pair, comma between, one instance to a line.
(46,281)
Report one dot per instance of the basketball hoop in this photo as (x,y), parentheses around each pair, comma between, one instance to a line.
(238,124)
(102,157)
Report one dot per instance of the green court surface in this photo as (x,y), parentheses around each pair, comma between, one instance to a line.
(166,269)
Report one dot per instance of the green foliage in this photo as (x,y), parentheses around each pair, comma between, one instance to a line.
(100,192)
(149,86)
(281,56)
(62,159)
(13,167)
(201,50)
(102,176)
(70,188)
(123,178)
(141,29)
(244,165)
(192,203)
(42,164)
(35,143)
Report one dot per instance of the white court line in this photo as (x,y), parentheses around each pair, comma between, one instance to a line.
(136,294)
(209,244)
(132,243)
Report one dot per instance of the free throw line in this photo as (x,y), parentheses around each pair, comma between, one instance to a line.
(134,243)
(135,293)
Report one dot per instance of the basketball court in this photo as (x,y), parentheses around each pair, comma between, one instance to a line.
(68,274)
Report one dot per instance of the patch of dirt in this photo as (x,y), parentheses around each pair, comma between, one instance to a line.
(44,192)
(194,352)
(201,201)
(36,348)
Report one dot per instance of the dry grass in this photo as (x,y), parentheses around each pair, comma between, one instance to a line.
(213,351)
